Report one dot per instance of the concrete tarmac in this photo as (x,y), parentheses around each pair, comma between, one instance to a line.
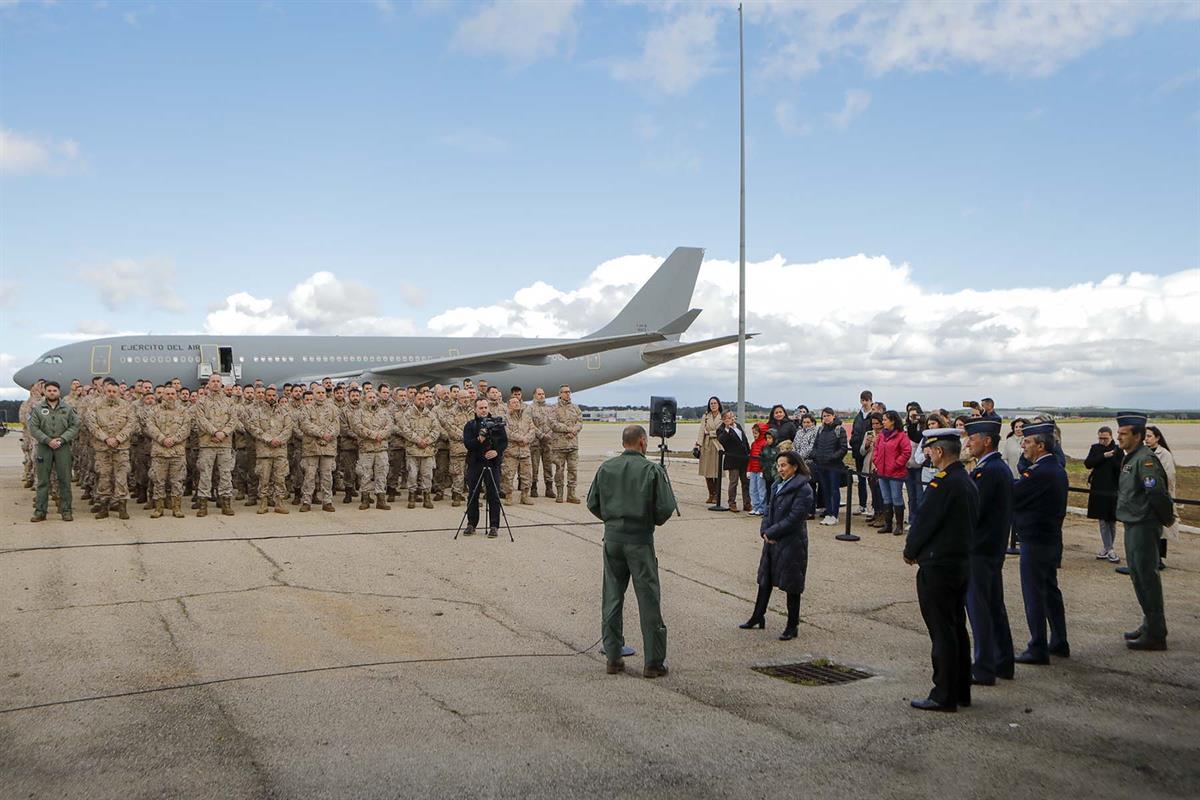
(367,654)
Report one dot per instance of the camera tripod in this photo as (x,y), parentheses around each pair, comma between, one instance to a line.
(662,462)
(473,496)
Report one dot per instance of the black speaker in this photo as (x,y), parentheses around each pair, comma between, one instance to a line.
(662,416)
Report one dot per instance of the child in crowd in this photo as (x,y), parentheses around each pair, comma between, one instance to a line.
(758,493)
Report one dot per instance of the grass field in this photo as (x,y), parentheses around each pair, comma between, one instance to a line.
(1187,484)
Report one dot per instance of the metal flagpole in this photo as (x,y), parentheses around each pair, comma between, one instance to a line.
(741,410)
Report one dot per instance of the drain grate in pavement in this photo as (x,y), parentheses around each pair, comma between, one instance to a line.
(818,672)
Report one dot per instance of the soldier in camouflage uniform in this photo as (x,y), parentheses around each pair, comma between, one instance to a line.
(566,420)
(371,426)
(112,423)
(245,460)
(347,457)
(452,426)
(143,445)
(521,432)
(35,397)
(397,457)
(441,461)
(168,426)
(271,425)
(420,429)
(295,406)
(215,420)
(319,426)
(539,449)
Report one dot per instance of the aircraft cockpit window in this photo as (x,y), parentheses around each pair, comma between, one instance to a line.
(52,360)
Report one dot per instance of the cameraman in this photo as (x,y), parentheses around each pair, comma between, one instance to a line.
(485,440)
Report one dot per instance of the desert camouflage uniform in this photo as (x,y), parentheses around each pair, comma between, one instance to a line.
(168,465)
(441,459)
(271,422)
(245,466)
(397,456)
(213,414)
(521,432)
(417,426)
(345,478)
(112,419)
(566,420)
(139,454)
(371,426)
(539,449)
(452,425)
(317,455)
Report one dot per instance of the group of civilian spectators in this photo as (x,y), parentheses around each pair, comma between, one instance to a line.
(890,466)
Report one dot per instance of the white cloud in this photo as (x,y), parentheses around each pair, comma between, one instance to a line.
(123,281)
(1021,37)
(88,329)
(9,364)
(677,54)
(788,119)
(323,303)
(1068,344)
(23,155)
(520,31)
(856,103)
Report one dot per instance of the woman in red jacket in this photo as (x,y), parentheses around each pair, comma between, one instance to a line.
(892,450)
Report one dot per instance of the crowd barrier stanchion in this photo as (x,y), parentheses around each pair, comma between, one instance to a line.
(848,536)
(719,506)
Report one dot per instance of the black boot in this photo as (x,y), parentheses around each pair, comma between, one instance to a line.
(887,520)
(793,617)
(899,521)
(759,618)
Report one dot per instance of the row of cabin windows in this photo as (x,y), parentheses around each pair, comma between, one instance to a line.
(274,359)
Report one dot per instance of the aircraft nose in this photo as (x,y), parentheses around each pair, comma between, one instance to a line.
(24,377)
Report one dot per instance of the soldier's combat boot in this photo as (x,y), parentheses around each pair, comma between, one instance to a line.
(304,508)
(226,507)
(141,496)
(364,502)
(559,496)
(122,511)
(456,500)
(349,496)
(95,507)
(327,507)
(149,504)
(251,500)
(87,495)
(525,501)
(201,508)
(177,507)
(391,495)
(240,496)
(158,509)
(296,498)
(412,499)
(262,506)
(27,483)
(102,511)
(439,495)
(381,503)
(533,491)
(549,493)
(428,503)
(571,498)
(280,508)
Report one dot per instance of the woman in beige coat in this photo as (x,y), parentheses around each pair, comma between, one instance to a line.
(1158,445)
(706,446)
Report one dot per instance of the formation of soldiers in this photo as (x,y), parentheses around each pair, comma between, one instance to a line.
(271,447)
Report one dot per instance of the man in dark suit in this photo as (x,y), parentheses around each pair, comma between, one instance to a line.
(1039,506)
(939,542)
(985,587)
(732,437)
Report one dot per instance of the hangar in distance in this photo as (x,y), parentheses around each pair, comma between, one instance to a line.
(644,334)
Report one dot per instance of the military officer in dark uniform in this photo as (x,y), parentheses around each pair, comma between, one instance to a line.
(985,588)
(939,541)
(1039,506)
(1144,506)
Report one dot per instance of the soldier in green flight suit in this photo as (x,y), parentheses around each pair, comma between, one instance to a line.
(633,496)
(1145,507)
(54,425)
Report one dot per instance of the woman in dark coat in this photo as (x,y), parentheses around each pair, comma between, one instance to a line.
(784,530)
(1104,461)
(785,428)
(736,446)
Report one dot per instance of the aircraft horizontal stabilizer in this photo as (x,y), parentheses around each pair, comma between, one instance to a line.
(661,354)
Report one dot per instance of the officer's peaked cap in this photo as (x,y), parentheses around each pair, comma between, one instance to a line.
(1131,418)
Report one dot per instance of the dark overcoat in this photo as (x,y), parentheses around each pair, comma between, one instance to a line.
(1103,480)
(737,448)
(784,564)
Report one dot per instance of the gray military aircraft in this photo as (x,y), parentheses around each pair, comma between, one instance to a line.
(644,334)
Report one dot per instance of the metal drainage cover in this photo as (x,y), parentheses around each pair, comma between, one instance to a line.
(818,672)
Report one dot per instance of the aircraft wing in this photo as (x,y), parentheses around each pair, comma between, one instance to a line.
(662,354)
(491,361)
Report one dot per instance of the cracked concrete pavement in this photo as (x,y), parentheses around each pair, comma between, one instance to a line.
(367,654)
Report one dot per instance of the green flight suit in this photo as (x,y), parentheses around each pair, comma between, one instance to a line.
(632,495)
(46,422)
(1144,506)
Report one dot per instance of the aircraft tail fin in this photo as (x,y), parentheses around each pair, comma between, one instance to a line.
(664,300)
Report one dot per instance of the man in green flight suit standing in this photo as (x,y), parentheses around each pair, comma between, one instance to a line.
(1145,507)
(54,425)
(633,496)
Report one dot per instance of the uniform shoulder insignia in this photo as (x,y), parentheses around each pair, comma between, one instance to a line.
(933,484)
(1025,474)
(1149,482)
(978,474)
(940,474)
(1149,462)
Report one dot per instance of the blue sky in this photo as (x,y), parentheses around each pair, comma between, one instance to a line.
(161,159)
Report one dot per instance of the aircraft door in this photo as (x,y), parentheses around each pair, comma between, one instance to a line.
(210,361)
(101,359)
(593,361)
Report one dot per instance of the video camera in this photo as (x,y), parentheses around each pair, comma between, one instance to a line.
(489,426)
